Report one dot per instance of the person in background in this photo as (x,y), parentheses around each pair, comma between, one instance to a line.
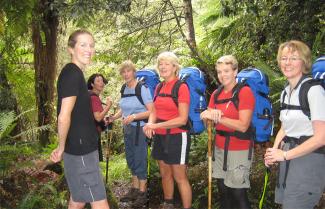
(168,124)
(78,137)
(134,114)
(299,143)
(232,164)
(96,83)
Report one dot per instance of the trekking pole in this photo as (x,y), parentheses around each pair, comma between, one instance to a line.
(266,179)
(209,163)
(109,141)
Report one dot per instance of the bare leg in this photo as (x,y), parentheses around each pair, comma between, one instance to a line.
(167,180)
(75,205)
(101,204)
(184,187)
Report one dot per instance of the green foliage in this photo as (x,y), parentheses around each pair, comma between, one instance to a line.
(7,124)
(117,169)
(47,196)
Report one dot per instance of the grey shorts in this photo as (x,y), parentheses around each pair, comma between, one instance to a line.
(238,168)
(305,181)
(84,177)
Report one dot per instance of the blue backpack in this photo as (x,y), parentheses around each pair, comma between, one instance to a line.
(194,78)
(318,69)
(262,122)
(147,77)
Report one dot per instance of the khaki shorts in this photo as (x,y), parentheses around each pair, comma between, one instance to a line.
(238,168)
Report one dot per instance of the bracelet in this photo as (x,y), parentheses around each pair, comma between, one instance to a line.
(133,115)
(285,155)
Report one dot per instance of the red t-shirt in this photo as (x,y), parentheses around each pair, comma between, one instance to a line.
(166,108)
(246,102)
(96,104)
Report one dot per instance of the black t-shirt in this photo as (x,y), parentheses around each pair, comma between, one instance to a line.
(82,135)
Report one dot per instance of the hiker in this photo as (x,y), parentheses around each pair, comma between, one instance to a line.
(171,144)
(78,137)
(95,84)
(298,143)
(133,114)
(232,166)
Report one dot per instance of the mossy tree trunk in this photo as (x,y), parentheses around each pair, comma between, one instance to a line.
(44,36)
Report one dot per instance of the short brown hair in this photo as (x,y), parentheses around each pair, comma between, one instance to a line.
(301,48)
(228,60)
(73,37)
(127,64)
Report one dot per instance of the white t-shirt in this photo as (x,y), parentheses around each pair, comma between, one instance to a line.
(294,122)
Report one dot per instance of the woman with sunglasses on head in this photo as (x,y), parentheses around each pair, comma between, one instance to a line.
(96,83)
(299,144)
(167,123)
(234,135)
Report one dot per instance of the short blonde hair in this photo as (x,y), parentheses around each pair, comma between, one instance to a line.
(170,57)
(302,49)
(127,64)
(228,60)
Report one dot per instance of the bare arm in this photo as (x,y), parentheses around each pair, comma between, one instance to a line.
(99,116)
(64,121)
(139,116)
(242,124)
(180,120)
(316,141)
(279,137)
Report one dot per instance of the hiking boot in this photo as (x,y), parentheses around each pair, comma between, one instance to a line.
(166,205)
(141,201)
(131,195)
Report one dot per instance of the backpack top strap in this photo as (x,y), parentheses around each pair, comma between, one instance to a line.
(175,90)
(303,95)
(157,92)
(138,92)
(122,90)
(235,95)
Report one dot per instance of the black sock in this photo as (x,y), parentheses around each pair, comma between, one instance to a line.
(169,201)
(240,198)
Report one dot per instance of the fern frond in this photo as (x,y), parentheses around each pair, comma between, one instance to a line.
(7,123)
(33,131)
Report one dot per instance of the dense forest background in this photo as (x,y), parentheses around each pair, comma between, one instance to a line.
(33,37)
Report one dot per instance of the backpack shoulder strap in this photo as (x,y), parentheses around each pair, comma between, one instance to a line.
(175,91)
(235,93)
(303,95)
(138,92)
(158,88)
(122,90)
(216,95)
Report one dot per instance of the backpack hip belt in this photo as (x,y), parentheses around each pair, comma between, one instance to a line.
(248,135)
(167,139)
(293,142)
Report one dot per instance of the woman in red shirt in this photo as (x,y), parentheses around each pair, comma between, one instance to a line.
(171,139)
(232,163)
(95,84)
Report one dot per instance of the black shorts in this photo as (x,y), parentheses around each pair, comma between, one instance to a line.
(172,148)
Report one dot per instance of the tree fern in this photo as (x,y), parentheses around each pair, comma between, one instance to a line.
(7,123)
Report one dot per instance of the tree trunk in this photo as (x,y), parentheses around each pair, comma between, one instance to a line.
(44,35)
(191,42)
